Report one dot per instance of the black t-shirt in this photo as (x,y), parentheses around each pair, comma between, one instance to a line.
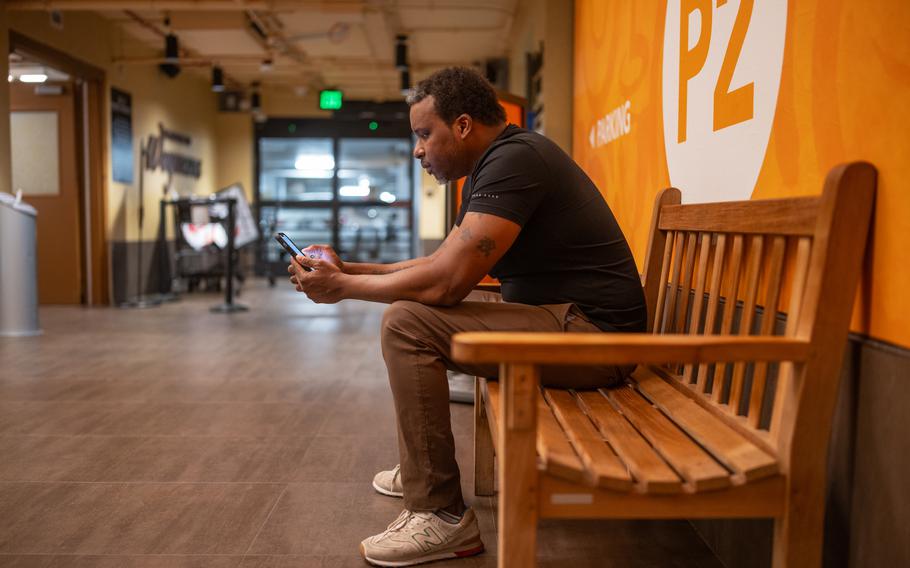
(570,248)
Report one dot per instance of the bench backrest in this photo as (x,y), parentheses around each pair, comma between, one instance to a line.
(766,267)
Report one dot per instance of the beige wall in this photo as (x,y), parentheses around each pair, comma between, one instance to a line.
(551,23)
(557,72)
(527,35)
(432,197)
(5,166)
(184,104)
(234,157)
(282,102)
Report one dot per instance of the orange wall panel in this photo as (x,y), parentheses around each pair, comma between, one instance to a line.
(744,99)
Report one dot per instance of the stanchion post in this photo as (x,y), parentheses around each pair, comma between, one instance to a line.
(229,306)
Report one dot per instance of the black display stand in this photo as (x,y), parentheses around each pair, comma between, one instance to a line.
(228,306)
(141,301)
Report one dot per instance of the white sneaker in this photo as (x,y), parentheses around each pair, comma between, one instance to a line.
(418,537)
(389,482)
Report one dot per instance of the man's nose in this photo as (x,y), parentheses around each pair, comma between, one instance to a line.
(418,151)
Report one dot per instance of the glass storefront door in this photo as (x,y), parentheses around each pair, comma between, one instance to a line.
(374,191)
(352,192)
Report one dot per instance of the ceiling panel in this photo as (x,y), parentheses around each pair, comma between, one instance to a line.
(220,42)
(355,44)
(456,47)
(358,60)
(465,18)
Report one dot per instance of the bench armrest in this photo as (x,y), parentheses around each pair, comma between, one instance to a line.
(621,348)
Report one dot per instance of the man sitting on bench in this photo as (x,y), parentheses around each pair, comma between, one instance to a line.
(529,217)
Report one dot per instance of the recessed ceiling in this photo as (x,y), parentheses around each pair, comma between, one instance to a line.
(348,44)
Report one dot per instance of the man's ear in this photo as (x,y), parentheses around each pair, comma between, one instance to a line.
(463,125)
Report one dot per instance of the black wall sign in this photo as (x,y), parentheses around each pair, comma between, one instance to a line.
(121,136)
(168,161)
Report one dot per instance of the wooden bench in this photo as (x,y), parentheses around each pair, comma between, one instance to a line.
(729,411)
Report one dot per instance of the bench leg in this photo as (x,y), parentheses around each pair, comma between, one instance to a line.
(798,535)
(483,444)
(518,491)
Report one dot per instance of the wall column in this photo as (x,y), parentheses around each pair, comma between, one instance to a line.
(5,153)
(558,63)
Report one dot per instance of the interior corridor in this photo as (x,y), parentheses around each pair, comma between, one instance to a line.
(178,437)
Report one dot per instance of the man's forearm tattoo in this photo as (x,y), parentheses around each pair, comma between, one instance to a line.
(486,246)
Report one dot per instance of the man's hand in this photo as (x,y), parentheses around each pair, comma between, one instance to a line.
(323,284)
(324,252)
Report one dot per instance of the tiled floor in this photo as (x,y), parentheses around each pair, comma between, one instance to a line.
(176,437)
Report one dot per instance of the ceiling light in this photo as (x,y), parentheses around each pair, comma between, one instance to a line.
(353,191)
(9,78)
(387,197)
(314,162)
(405,82)
(362,189)
(266,65)
(171,49)
(217,79)
(33,78)
(401,52)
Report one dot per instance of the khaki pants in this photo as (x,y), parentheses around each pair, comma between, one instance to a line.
(416,343)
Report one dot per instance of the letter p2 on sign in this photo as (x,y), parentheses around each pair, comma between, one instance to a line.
(722,62)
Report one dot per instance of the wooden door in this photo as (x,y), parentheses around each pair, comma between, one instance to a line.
(44,167)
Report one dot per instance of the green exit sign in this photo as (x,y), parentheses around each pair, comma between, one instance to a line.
(329,100)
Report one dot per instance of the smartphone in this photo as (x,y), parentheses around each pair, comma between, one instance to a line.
(288,245)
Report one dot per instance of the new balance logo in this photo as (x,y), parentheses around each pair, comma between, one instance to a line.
(427,539)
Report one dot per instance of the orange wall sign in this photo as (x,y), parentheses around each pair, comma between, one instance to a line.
(739,99)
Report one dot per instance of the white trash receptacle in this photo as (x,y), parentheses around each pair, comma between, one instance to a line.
(18,268)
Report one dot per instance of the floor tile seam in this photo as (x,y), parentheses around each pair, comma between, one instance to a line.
(201,436)
(264,439)
(163,401)
(116,555)
(140,482)
(265,522)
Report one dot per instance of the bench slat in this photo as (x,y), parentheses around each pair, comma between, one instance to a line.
(662,290)
(727,446)
(686,283)
(700,276)
(713,302)
(667,325)
(696,466)
(800,275)
(602,465)
(753,273)
(720,370)
(794,216)
(769,319)
(651,473)
(553,448)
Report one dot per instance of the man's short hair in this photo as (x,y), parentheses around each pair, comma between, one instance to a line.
(457,91)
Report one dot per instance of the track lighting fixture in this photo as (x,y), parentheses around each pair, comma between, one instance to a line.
(171,53)
(405,81)
(401,52)
(171,49)
(255,99)
(217,79)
